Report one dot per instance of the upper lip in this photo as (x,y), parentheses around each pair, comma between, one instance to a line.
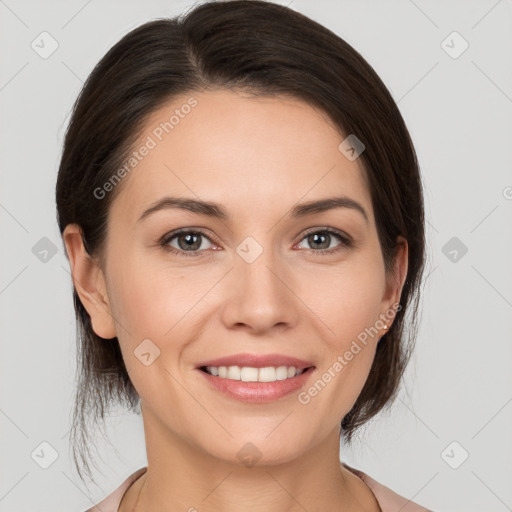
(257,361)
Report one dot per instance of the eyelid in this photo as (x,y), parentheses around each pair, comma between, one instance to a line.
(171,235)
(346,241)
(322,229)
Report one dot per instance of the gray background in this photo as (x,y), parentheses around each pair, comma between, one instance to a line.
(458,393)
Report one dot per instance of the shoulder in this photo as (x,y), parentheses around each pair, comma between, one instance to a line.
(389,501)
(112,501)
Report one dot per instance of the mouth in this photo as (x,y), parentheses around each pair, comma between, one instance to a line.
(256,385)
(253,374)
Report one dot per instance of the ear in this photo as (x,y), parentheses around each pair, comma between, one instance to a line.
(395,281)
(89,283)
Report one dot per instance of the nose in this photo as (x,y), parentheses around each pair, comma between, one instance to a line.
(260,295)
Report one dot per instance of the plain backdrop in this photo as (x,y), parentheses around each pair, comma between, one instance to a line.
(446,442)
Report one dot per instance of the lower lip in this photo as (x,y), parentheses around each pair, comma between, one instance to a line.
(257,392)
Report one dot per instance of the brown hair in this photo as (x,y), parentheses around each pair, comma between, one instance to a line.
(266,49)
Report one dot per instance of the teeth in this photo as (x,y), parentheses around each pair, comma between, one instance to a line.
(248,374)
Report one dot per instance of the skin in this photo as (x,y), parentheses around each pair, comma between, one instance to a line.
(273,153)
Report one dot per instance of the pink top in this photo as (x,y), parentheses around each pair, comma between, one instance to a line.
(389,501)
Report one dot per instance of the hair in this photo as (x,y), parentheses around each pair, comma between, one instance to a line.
(265,49)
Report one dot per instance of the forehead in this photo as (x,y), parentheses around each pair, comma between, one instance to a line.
(248,153)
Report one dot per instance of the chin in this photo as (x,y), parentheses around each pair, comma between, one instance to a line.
(250,450)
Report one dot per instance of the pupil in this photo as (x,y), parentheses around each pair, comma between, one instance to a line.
(317,238)
(190,241)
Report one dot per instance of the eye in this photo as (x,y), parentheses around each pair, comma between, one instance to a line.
(320,240)
(188,242)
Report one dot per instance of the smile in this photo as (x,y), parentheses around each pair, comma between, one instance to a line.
(256,385)
(251,374)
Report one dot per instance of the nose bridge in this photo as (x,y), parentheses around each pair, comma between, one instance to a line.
(258,295)
(259,274)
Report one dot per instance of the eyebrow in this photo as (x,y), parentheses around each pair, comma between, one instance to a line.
(215,210)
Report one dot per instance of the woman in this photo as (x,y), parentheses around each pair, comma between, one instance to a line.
(241,206)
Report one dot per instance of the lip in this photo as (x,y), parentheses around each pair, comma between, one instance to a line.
(256,392)
(258,361)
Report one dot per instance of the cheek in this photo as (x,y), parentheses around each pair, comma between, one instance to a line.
(150,304)
(347,299)
(149,300)
(348,302)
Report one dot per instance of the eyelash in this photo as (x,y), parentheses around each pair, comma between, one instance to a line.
(346,241)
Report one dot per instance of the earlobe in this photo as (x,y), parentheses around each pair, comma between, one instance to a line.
(89,283)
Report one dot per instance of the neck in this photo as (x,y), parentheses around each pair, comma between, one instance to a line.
(189,479)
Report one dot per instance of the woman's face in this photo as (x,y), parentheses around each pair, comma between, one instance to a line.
(264,280)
